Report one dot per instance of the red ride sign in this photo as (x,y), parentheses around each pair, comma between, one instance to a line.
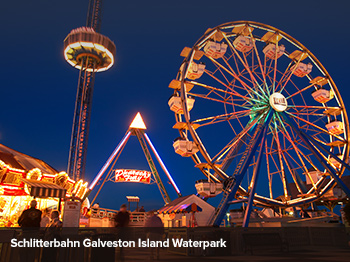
(128,175)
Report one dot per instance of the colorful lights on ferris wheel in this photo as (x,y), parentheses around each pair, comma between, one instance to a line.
(214,49)
(243,43)
(176,105)
(274,51)
(185,148)
(195,70)
(242,71)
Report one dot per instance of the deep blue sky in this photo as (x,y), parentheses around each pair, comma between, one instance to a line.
(38,87)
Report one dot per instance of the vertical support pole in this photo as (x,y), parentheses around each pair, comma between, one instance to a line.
(81,122)
(94,15)
(254,181)
(230,192)
(298,180)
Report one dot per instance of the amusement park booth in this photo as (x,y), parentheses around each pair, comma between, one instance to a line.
(186,211)
(23,178)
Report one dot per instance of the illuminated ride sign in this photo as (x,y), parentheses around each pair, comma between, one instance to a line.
(137,176)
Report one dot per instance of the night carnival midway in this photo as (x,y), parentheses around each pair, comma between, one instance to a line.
(256,112)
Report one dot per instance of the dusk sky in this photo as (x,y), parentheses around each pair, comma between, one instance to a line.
(38,87)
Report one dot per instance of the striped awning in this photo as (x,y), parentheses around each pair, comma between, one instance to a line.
(185,208)
(44,189)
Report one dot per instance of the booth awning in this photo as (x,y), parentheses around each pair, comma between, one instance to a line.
(44,189)
(185,208)
(24,162)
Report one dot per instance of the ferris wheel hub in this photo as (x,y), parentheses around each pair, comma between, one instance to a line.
(278,102)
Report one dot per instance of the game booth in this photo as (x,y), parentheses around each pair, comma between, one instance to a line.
(23,178)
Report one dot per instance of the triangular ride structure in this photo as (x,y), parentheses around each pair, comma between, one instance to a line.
(137,128)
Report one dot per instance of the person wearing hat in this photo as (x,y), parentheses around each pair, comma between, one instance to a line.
(30,217)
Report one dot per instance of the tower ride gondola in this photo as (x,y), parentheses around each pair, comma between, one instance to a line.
(90,52)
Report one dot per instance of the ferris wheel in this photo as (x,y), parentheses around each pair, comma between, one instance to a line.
(259,114)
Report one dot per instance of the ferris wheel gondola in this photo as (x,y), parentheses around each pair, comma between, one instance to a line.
(265,106)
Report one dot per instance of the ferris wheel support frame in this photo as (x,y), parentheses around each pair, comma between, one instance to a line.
(312,148)
(243,86)
(231,189)
(254,181)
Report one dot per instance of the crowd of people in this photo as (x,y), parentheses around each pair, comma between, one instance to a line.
(33,217)
(153,225)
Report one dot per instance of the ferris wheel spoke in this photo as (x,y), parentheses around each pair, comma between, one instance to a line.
(300,91)
(221,118)
(275,164)
(251,72)
(293,173)
(258,58)
(296,149)
(286,75)
(320,147)
(234,75)
(279,149)
(241,73)
(233,50)
(223,75)
(270,68)
(311,113)
(268,170)
(316,126)
(259,77)
(307,111)
(235,141)
(314,107)
(308,114)
(290,139)
(275,70)
(232,92)
(308,127)
(225,101)
(291,73)
(214,92)
(265,72)
(238,73)
(307,147)
(224,150)
(243,77)
(299,154)
(332,171)
(228,87)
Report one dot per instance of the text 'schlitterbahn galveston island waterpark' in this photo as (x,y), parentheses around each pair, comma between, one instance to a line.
(256,119)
